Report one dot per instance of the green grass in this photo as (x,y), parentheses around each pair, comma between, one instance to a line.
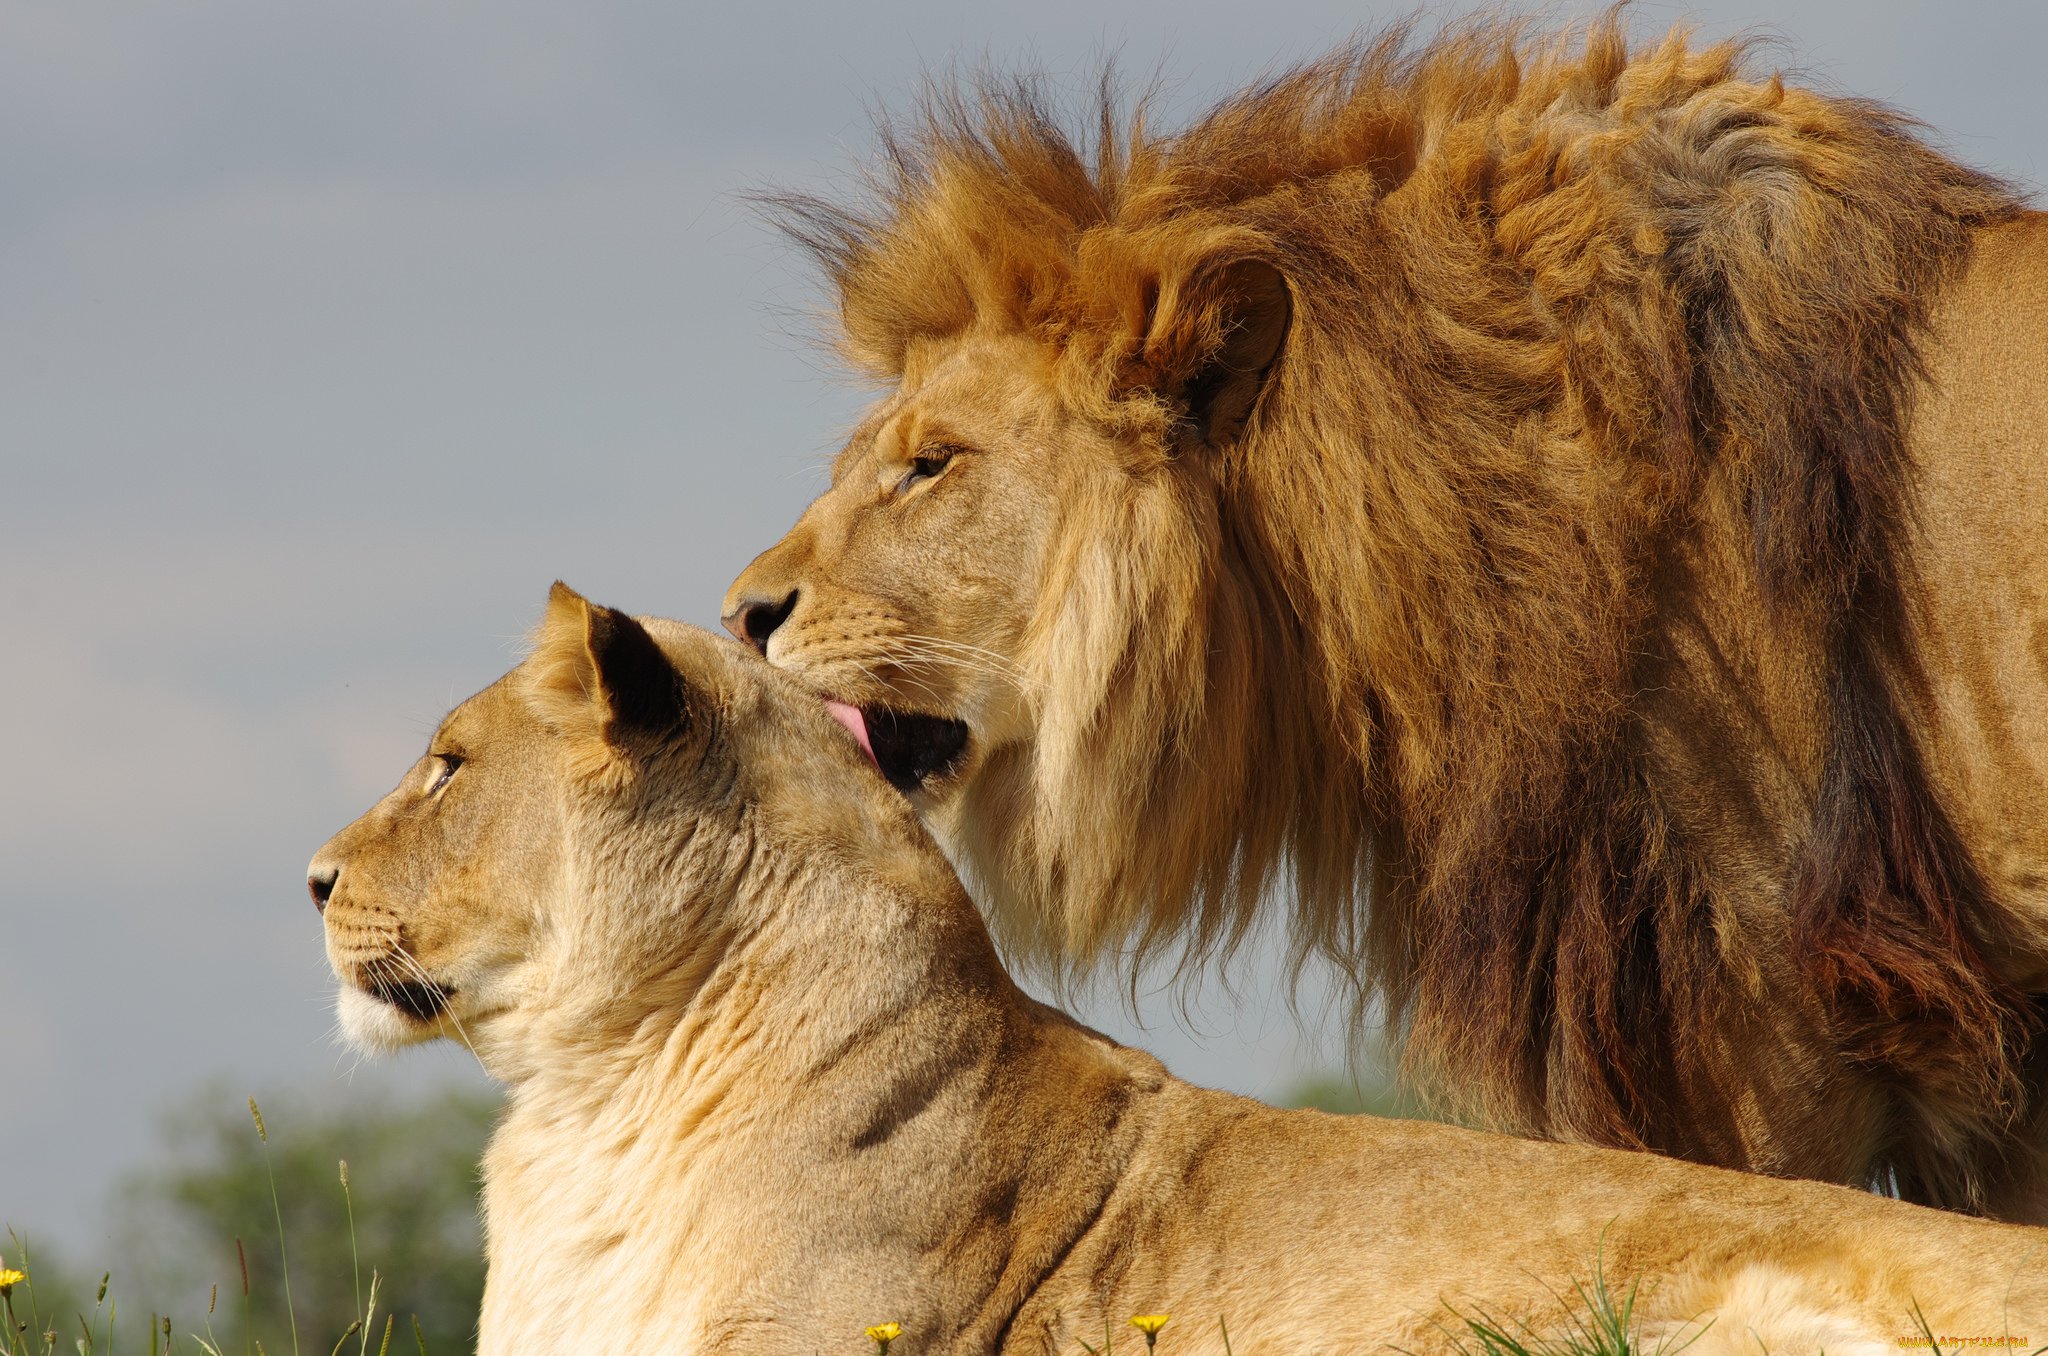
(1595,1321)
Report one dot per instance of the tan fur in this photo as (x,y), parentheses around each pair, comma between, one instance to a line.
(1586,503)
(768,1084)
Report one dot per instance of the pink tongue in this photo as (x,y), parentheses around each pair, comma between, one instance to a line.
(852,719)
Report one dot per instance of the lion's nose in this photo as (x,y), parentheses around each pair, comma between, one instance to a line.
(320,884)
(755,618)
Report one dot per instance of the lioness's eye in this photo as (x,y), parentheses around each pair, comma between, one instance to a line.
(924,467)
(448,763)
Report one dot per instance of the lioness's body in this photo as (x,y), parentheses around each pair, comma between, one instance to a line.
(768,1084)
(1591,505)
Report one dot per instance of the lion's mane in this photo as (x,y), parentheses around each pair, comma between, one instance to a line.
(1542,290)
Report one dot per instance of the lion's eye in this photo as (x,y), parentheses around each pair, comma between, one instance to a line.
(924,467)
(448,762)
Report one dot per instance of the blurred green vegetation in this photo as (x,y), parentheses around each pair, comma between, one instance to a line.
(1371,1092)
(412,1189)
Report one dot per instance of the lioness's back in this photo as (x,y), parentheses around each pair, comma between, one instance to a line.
(1237,1209)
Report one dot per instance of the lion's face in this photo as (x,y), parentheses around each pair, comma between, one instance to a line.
(913,588)
(1002,530)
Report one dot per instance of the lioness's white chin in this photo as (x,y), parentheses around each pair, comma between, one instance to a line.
(375,1026)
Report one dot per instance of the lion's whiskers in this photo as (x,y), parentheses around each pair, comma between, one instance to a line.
(874,678)
(968,658)
(996,661)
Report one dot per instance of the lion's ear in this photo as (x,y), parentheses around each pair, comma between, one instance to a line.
(597,674)
(1213,340)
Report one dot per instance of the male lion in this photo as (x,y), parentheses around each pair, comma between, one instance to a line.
(1588,505)
(768,1083)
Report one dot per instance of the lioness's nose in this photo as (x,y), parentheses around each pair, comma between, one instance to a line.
(755,618)
(320,884)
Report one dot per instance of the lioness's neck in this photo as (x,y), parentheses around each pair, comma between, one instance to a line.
(820,947)
(815,1020)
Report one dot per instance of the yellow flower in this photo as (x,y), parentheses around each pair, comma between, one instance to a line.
(882,1334)
(9,1278)
(1150,1324)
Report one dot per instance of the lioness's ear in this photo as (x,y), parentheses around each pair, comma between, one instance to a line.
(1213,339)
(597,674)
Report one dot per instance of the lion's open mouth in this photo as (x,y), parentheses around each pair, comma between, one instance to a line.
(420,999)
(908,748)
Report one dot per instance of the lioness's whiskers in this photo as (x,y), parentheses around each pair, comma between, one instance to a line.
(407,962)
(354,1054)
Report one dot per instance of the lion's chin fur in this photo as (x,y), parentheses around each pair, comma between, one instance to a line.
(1555,597)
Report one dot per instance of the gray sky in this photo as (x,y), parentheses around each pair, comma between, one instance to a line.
(331,333)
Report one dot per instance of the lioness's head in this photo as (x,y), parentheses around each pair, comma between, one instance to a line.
(1020,589)
(582,827)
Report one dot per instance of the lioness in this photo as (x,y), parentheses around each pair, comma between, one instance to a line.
(1587,505)
(768,1083)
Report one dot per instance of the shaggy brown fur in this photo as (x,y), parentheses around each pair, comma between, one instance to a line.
(1560,323)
